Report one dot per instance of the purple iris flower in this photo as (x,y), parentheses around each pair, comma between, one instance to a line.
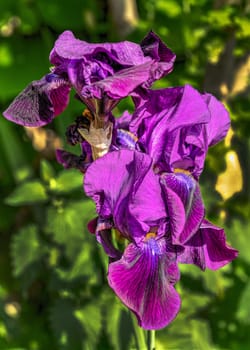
(128,198)
(100,74)
(176,126)
(144,208)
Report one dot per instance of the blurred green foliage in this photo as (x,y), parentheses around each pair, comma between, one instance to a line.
(53,288)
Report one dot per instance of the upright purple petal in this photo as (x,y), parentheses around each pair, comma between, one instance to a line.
(124,186)
(143,279)
(124,53)
(169,124)
(208,248)
(219,123)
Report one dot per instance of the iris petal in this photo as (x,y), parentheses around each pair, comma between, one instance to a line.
(187,189)
(127,190)
(208,248)
(39,102)
(143,279)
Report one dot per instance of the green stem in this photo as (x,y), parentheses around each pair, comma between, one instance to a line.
(139,335)
(151,340)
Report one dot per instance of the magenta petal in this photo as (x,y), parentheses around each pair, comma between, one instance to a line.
(176,213)
(127,190)
(208,248)
(68,47)
(187,189)
(219,123)
(121,83)
(143,279)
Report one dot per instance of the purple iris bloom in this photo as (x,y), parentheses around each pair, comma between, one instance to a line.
(100,74)
(176,126)
(128,198)
(148,213)
(208,248)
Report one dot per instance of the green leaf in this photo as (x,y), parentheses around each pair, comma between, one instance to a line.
(68,181)
(13,150)
(26,249)
(243,312)
(46,170)
(68,225)
(31,192)
(238,234)
(67,328)
(91,319)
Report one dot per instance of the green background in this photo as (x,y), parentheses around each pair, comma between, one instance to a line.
(53,288)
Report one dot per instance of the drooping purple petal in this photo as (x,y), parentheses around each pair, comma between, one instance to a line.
(122,83)
(39,102)
(188,191)
(208,248)
(143,279)
(127,190)
(219,123)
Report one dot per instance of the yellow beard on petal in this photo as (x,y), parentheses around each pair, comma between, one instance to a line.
(150,235)
(183,171)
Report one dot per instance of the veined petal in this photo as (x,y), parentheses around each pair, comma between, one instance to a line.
(127,190)
(39,102)
(68,47)
(176,212)
(121,83)
(219,123)
(143,279)
(208,248)
(187,189)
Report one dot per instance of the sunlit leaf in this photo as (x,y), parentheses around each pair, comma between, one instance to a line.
(46,170)
(68,181)
(67,224)
(26,249)
(243,312)
(27,193)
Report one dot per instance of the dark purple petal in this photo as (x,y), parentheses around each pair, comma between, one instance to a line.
(176,212)
(208,248)
(219,123)
(39,102)
(127,190)
(188,191)
(154,47)
(123,53)
(143,279)
(70,160)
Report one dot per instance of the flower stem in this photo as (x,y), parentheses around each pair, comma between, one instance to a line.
(151,340)
(139,335)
